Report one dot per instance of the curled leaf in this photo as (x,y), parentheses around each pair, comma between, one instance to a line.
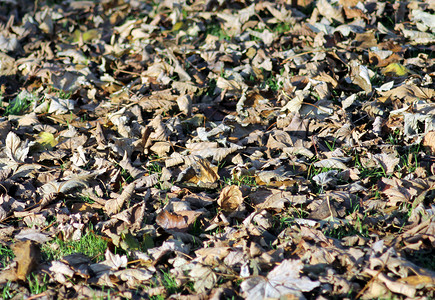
(230,198)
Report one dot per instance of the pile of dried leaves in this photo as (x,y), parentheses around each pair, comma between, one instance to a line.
(217,149)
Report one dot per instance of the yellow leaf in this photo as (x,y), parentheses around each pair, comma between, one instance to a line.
(90,35)
(177,26)
(86,36)
(76,36)
(46,140)
(395,69)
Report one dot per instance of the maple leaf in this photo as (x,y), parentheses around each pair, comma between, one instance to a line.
(283,280)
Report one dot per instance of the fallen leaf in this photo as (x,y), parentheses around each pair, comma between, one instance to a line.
(230,198)
(15,149)
(429,141)
(283,280)
(395,69)
(172,221)
(27,256)
(204,278)
(113,206)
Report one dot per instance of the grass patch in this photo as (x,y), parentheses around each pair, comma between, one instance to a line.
(214,28)
(373,174)
(169,282)
(20,104)
(211,88)
(6,256)
(273,84)
(126,176)
(86,199)
(287,219)
(348,230)
(281,28)
(409,159)
(243,180)
(154,168)
(90,244)
(38,283)
(60,93)
(8,291)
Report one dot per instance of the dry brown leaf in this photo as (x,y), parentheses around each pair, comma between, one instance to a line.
(212,256)
(272,86)
(387,161)
(283,280)
(27,256)
(230,198)
(172,221)
(429,141)
(359,75)
(113,206)
(204,278)
(204,172)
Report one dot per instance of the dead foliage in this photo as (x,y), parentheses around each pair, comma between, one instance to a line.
(217,149)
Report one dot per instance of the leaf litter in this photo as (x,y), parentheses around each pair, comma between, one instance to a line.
(217,149)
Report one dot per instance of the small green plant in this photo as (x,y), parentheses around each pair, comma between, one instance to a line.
(89,244)
(126,176)
(214,28)
(287,219)
(60,93)
(169,282)
(158,297)
(6,255)
(86,199)
(273,84)
(331,147)
(373,174)
(284,221)
(37,283)
(154,167)
(196,228)
(281,28)
(243,180)
(313,171)
(394,137)
(63,95)
(211,87)
(410,159)
(377,79)
(348,230)
(20,103)
(84,118)
(8,291)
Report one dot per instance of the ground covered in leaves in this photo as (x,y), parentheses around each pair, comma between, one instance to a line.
(217,149)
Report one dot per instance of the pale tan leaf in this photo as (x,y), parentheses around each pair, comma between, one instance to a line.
(387,161)
(283,280)
(333,163)
(204,278)
(113,206)
(230,198)
(15,149)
